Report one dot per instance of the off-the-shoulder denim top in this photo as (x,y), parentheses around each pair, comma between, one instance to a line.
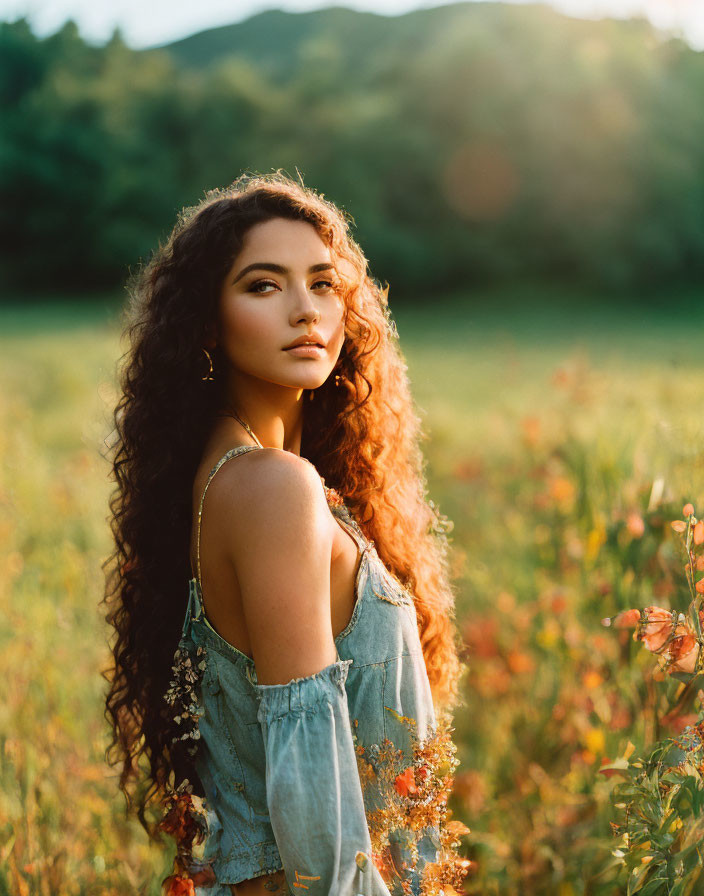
(340,778)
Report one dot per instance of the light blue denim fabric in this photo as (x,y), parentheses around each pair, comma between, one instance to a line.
(278,762)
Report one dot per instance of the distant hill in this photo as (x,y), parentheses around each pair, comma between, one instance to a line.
(272,40)
(365,46)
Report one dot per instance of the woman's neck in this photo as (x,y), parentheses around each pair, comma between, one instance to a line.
(270,431)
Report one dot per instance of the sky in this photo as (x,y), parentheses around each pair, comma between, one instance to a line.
(160,21)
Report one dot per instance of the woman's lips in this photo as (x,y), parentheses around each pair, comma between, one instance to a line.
(307,351)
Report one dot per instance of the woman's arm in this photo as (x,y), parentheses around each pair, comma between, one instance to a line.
(280,544)
(281,548)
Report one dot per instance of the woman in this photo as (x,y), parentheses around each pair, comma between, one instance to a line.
(285,657)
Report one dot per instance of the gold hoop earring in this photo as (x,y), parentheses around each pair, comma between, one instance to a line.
(209,375)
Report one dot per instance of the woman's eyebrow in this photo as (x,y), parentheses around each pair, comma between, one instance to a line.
(280,268)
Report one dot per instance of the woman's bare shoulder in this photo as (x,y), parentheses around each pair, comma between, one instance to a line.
(263,477)
(260,495)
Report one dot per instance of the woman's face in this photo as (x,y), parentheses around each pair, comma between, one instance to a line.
(282,286)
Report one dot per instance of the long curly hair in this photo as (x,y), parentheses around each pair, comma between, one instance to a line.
(363,438)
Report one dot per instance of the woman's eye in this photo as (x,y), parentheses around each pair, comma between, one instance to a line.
(333,284)
(253,287)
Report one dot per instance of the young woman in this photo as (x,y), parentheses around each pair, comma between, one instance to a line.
(286,656)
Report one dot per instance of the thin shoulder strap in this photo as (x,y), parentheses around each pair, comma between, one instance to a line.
(233,452)
(342,514)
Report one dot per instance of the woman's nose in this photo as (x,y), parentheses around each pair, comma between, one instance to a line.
(304,306)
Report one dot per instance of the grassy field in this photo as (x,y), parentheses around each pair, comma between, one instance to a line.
(547,434)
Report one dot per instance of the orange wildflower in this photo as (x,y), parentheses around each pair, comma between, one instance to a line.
(635,525)
(591,679)
(480,635)
(687,510)
(624,619)
(562,490)
(657,628)
(179,886)
(520,663)
(558,603)
(699,532)
(683,651)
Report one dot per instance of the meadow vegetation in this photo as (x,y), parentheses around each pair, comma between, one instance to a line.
(560,445)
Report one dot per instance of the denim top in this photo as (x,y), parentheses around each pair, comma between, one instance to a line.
(340,778)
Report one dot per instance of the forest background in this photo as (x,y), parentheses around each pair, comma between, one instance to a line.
(471,142)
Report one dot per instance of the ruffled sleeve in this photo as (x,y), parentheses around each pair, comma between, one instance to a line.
(314,793)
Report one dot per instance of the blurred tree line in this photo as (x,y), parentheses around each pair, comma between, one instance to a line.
(470,142)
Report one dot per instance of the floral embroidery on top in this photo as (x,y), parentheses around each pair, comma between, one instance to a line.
(415,798)
(185,820)
(395,591)
(182,695)
(334,498)
(338,506)
(184,815)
